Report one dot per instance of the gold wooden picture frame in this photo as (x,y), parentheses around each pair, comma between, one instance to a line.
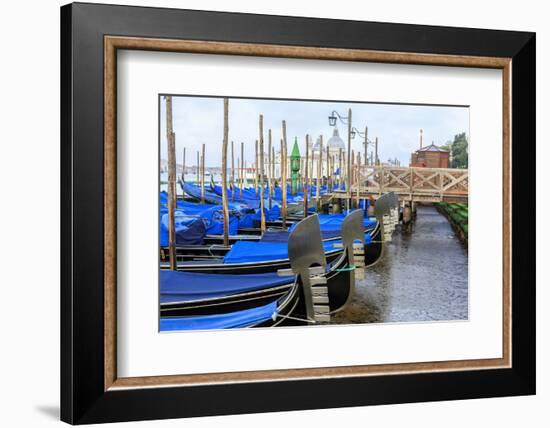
(114,43)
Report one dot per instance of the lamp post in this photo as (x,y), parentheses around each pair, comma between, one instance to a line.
(353,131)
(366,141)
(346,120)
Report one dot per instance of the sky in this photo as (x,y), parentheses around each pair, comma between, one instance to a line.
(198,120)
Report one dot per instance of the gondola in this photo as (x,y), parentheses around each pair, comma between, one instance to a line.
(250,194)
(193,206)
(284,309)
(243,257)
(300,305)
(192,295)
(195,192)
(330,230)
(234,259)
(251,255)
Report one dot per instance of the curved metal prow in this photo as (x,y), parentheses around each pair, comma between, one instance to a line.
(305,244)
(394,210)
(353,229)
(307,259)
(383,206)
(394,200)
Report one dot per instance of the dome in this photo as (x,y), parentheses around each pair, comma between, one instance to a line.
(335,142)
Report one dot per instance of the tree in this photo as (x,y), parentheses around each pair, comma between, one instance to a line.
(459,151)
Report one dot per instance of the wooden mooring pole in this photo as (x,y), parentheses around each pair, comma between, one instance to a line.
(366,159)
(224,172)
(340,168)
(366,144)
(327,166)
(332,171)
(329,173)
(256,168)
(273,169)
(198,167)
(202,172)
(306,175)
(283,173)
(358,178)
(319,174)
(310,175)
(262,195)
(301,180)
(171,140)
(243,168)
(269,176)
(232,173)
(183,167)
(239,167)
(348,178)
(351,181)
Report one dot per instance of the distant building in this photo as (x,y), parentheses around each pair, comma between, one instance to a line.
(430,156)
(335,145)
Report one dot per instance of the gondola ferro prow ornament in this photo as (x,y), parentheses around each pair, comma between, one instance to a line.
(394,210)
(382,214)
(307,260)
(353,239)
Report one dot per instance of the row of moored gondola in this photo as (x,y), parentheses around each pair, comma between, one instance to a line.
(301,275)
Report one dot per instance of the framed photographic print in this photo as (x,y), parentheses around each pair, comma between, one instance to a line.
(265,213)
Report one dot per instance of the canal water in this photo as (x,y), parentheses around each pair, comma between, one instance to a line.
(423,276)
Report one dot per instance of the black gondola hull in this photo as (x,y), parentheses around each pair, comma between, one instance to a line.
(339,285)
(374,250)
(242,268)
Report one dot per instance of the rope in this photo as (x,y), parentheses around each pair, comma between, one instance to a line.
(278,315)
(213,247)
(346,269)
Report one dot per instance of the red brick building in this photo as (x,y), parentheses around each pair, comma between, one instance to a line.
(430,156)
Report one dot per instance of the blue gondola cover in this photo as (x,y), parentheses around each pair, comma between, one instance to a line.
(254,252)
(282,235)
(239,319)
(188,286)
(334,222)
(190,230)
(210,213)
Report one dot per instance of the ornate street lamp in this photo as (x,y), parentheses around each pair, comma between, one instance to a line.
(335,115)
(366,141)
(355,131)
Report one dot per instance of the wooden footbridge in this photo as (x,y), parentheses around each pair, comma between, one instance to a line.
(410,184)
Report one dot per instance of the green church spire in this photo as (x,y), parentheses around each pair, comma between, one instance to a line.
(295,167)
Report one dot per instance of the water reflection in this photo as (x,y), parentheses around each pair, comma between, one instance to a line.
(422,277)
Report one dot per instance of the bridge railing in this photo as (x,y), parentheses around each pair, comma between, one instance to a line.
(414,182)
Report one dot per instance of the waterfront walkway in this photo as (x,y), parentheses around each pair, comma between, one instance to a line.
(422,277)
